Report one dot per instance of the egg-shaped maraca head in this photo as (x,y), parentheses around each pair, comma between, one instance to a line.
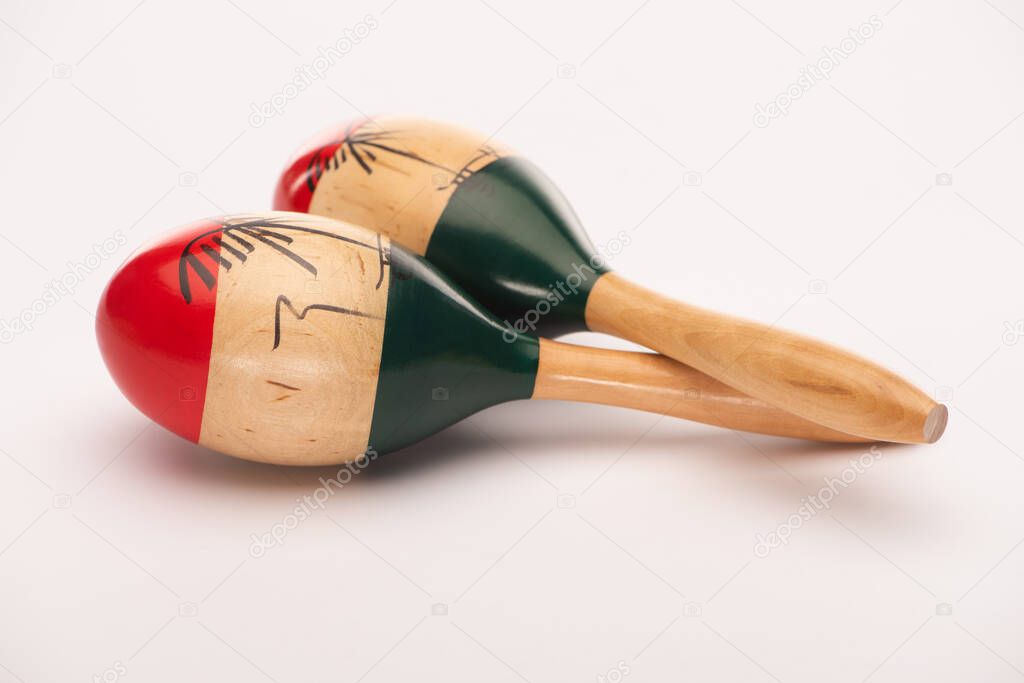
(294,339)
(484,215)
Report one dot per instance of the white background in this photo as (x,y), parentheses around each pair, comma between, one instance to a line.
(124,551)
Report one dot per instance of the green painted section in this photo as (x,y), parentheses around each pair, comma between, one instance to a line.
(443,358)
(510,238)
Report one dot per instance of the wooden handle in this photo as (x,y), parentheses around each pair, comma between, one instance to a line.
(809,378)
(658,384)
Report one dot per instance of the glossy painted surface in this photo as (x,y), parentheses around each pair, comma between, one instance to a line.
(295,339)
(298,340)
(490,220)
(391,174)
(444,357)
(155,344)
(295,187)
(504,232)
(510,238)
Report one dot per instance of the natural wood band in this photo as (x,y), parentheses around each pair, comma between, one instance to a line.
(396,175)
(656,384)
(296,354)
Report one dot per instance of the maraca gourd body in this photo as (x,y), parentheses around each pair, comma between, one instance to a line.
(499,228)
(482,215)
(295,339)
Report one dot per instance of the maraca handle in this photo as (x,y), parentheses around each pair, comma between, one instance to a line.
(809,378)
(658,384)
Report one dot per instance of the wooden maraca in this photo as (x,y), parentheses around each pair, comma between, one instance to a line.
(491,221)
(296,339)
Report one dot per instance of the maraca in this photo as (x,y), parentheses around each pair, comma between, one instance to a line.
(296,339)
(498,227)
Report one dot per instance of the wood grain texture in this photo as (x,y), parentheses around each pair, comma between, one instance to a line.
(801,375)
(309,401)
(657,384)
(396,175)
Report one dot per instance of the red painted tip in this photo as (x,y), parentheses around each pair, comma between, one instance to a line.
(155,326)
(297,183)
